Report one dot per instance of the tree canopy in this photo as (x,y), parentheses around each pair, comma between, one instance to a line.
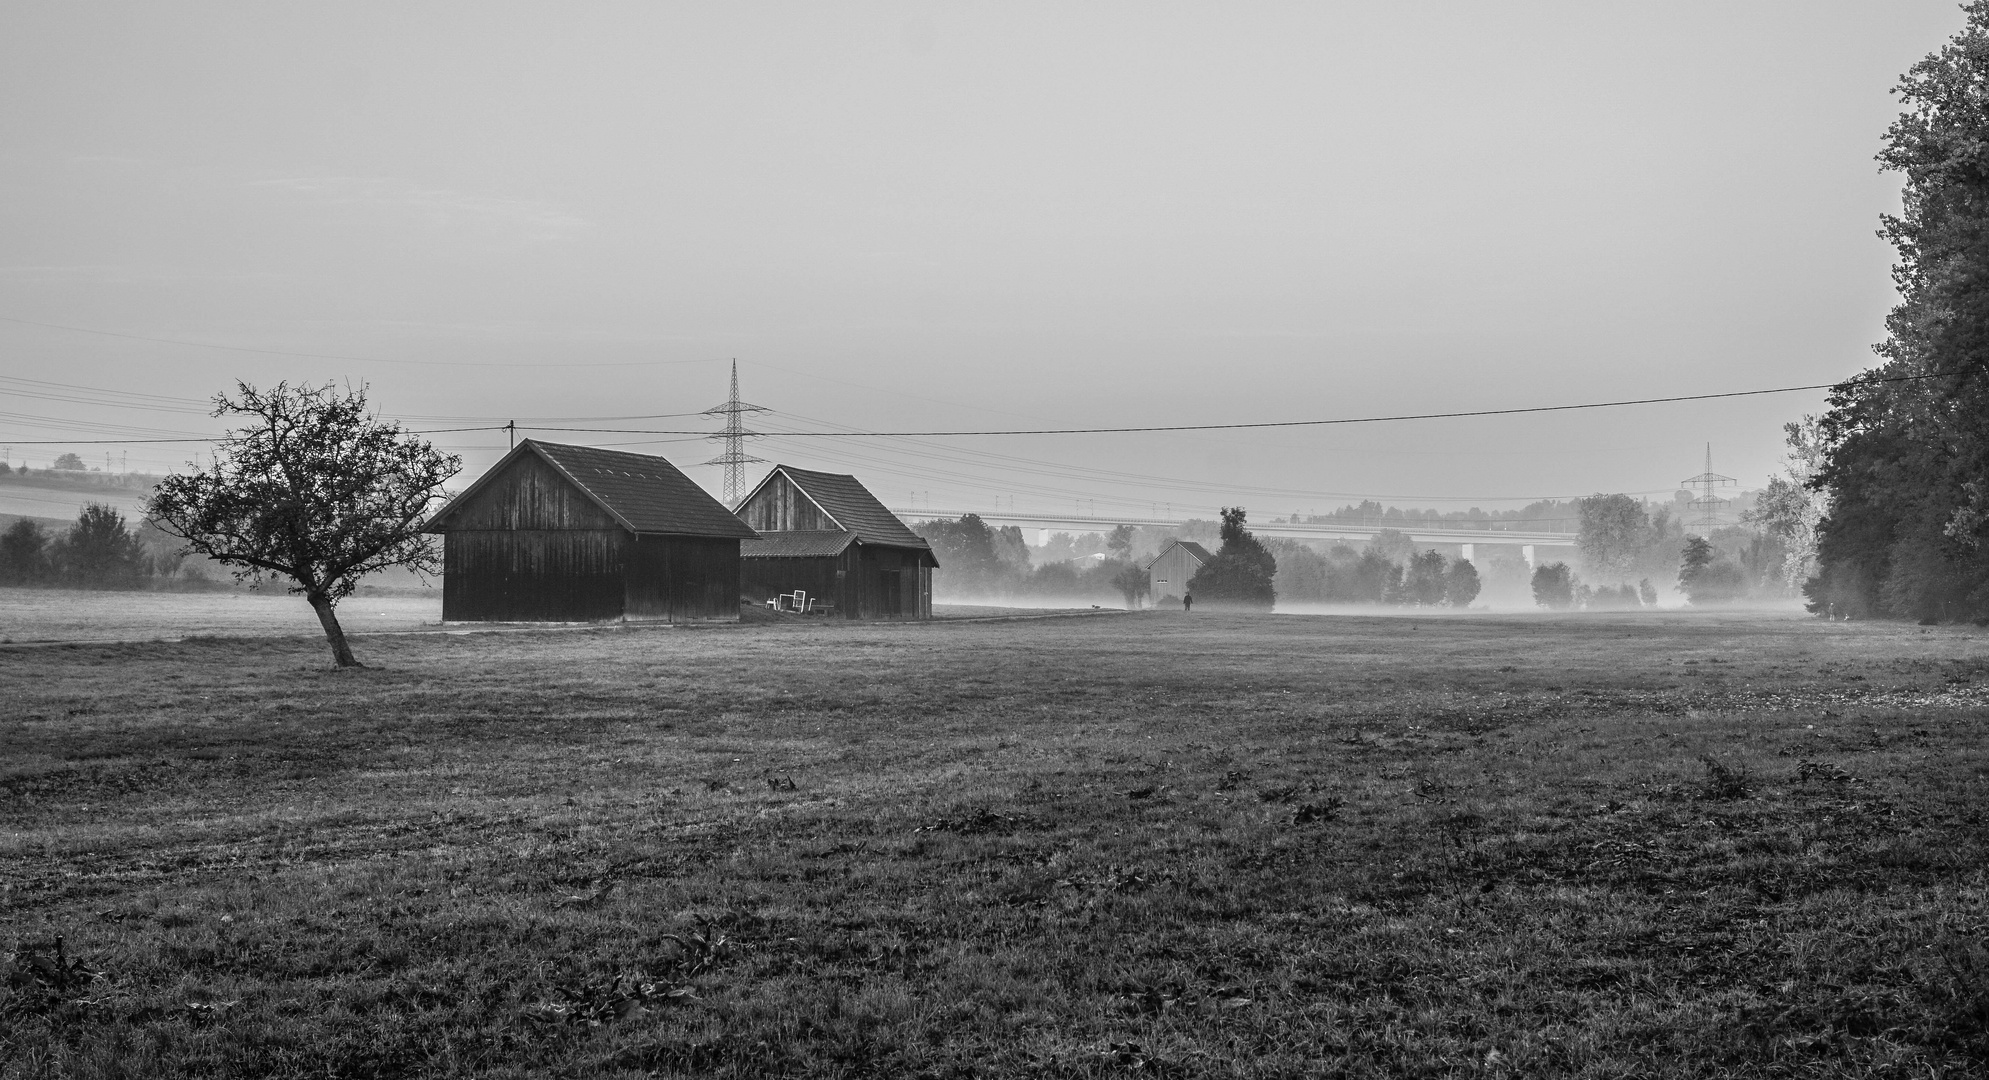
(314,488)
(1241,573)
(1907,464)
(1554,586)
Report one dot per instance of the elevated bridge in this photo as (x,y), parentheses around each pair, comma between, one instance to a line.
(1526,538)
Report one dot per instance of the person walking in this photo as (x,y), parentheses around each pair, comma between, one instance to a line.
(1188,603)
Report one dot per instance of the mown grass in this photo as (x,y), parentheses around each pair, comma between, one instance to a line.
(1141,845)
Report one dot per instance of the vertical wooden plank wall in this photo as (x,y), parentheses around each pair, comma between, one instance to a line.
(531,548)
(683,579)
(781,507)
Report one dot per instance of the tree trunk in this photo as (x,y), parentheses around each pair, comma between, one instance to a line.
(341,652)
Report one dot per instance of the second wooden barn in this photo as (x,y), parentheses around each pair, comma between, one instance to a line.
(557,533)
(826,535)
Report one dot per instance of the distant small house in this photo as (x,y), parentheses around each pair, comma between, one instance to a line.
(1172,569)
(557,533)
(826,535)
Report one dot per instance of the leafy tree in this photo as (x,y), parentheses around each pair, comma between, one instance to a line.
(1906,463)
(1304,575)
(1393,545)
(1058,580)
(1460,584)
(314,488)
(1010,548)
(1377,579)
(1120,541)
(1647,593)
(1241,574)
(1133,583)
(968,557)
(70,463)
(23,553)
(1423,581)
(1554,586)
(1707,578)
(1613,533)
(1790,509)
(100,552)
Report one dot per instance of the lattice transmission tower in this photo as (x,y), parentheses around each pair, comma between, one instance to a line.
(735,459)
(1706,508)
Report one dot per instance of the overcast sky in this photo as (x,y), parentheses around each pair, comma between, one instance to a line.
(917,216)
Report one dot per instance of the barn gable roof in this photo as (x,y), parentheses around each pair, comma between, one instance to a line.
(1195,550)
(849,504)
(647,494)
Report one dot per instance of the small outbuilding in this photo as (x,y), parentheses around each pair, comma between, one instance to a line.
(557,533)
(826,535)
(1171,570)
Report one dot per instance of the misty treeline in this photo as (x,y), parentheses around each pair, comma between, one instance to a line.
(1894,478)
(981,562)
(68,471)
(99,551)
(1385,570)
(1629,552)
(1554,515)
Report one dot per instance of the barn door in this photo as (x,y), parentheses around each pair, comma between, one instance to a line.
(891,590)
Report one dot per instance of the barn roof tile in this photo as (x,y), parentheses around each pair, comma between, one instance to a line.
(647,494)
(1200,553)
(853,507)
(797,544)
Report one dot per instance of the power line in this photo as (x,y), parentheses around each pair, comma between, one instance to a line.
(1257,423)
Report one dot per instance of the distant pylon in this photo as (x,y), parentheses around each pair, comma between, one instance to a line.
(1707,506)
(735,458)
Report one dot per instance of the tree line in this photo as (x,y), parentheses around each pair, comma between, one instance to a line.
(982,562)
(1891,483)
(98,551)
(1386,570)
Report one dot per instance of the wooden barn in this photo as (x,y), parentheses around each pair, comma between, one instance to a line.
(1171,570)
(557,533)
(826,535)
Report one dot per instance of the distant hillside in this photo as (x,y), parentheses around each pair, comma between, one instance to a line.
(61,495)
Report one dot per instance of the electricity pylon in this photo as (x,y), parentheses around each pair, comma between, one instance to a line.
(1707,505)
(735,458)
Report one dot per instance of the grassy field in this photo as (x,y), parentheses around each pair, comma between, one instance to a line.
(38,615)
(1134,845)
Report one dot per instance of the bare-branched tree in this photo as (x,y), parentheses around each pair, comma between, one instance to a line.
(314,488)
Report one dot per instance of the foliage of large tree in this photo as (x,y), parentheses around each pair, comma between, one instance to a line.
(1461,584)
(1789,509)
(313,487)
(970,556)
(1554,586)
(1705,577)
(1613,532)
(1423,580)
(1907,467)
(23,552)
(1133,583)
(100,552)
(1240,575)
